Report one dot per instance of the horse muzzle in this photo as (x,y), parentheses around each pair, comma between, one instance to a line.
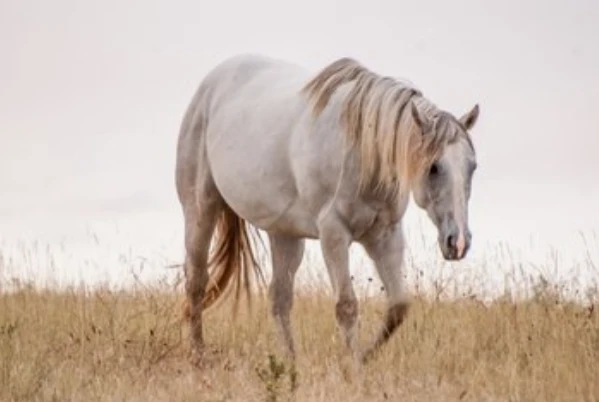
(455,243)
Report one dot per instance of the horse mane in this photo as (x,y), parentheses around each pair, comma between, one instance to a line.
(378,121)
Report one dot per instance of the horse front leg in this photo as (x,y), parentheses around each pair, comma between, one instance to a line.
(386,249)
(334,241)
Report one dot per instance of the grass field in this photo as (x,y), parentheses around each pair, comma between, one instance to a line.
(132,346)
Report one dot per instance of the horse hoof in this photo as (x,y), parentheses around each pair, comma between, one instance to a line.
(196,358)
(367,356)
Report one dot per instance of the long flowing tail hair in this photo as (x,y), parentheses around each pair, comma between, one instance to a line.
(231,262)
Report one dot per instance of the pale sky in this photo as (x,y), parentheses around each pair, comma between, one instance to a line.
(92,95)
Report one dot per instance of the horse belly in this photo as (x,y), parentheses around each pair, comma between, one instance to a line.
(252,176)
(250,149)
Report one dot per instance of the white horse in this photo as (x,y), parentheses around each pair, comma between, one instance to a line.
(331,156)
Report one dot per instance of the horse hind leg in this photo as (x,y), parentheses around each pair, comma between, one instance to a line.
(386,250)
(287,253)
(200,221)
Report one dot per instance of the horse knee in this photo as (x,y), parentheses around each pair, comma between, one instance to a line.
(346,311)
(395,317)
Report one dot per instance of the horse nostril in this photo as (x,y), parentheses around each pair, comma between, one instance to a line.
(450,241)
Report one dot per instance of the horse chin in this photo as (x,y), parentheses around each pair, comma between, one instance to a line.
(449,255)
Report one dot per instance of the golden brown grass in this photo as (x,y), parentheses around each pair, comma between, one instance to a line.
(117,346)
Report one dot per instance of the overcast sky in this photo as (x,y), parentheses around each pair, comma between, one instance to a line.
(92,95)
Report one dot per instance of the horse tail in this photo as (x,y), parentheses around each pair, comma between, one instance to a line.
(230,261)
(233,259)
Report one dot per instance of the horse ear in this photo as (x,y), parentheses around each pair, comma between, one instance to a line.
(421,120)
(469,119)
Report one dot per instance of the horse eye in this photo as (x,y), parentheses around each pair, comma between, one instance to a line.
(433,170)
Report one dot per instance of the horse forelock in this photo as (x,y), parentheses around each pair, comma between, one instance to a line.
(377,120)
(447,130)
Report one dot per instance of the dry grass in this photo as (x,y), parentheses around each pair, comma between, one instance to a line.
(116,346)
